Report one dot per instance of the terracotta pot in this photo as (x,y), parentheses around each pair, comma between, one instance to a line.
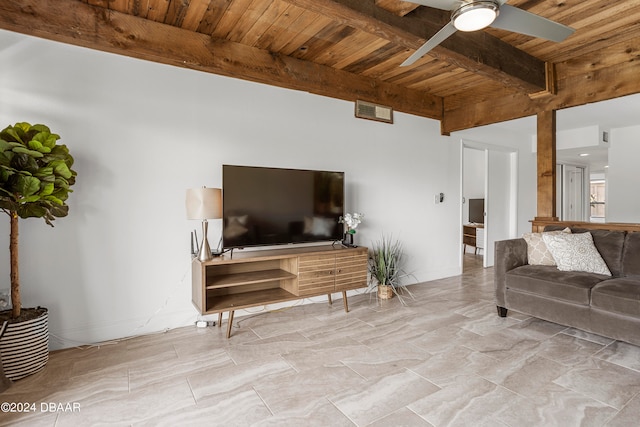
(24,346)
(385,292)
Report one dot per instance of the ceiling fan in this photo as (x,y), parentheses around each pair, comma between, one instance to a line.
(473,15)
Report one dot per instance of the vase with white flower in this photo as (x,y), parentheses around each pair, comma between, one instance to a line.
(351,221)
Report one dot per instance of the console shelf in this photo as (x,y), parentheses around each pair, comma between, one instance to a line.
(249,299)
(267,277)
(248,278)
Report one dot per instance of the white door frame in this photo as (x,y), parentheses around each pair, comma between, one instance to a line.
(513,196)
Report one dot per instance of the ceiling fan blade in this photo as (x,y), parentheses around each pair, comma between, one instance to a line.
(434,41)
(520,21)
(438,4)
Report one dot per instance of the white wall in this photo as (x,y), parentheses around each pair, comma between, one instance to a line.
(623,180)
(142,133)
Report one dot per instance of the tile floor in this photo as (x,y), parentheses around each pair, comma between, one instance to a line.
(445,359)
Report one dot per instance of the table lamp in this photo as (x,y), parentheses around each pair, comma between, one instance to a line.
(204,203)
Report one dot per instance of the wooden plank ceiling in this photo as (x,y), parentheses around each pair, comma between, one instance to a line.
(352,49)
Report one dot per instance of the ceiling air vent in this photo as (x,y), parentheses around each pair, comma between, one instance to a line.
(371,111)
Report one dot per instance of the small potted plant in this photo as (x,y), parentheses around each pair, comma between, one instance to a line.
(351,221)
(35,181)
(386,259)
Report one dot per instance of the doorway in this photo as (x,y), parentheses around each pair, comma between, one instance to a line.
(499,183)
(473,205)
(572,185)
(597,198)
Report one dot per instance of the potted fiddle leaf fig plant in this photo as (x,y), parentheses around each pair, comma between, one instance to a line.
(386,265)
(35,181)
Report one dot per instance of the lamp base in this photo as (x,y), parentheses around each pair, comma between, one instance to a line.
(204,254)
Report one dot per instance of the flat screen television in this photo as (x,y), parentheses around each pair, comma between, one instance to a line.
(476,211)
(272,206)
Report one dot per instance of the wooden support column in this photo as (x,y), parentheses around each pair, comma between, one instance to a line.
(547,166)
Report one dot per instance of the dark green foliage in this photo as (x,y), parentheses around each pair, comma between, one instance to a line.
(385,259)
(386,265)
(35,172)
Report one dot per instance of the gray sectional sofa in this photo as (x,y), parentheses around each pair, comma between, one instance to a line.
(604,305)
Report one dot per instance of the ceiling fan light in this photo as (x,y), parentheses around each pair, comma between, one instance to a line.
(475,15)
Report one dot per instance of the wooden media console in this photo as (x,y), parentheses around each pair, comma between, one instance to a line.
(249,279)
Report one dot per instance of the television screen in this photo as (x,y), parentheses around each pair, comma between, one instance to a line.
(476,211)
(272,206)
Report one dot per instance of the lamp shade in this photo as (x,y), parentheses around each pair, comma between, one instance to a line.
(204,203)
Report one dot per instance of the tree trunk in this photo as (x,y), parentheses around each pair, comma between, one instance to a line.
(15,275)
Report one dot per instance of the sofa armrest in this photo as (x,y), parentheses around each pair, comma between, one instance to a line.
(509,254)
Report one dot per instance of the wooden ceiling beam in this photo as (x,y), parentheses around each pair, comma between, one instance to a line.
(397,7)
(613,74)
(81,24)
(478,52)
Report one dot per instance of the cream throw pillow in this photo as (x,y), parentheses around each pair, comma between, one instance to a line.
(537,252)
(576,252)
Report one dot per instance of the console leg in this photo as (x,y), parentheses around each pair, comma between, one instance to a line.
(502,312)
(329,297)
(220,320)
(345,302)
(230,320)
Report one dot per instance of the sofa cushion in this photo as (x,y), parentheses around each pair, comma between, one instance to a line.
(537,251)
(620,295)
(575,252)
(631,255)
(610,244)
(548,281)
